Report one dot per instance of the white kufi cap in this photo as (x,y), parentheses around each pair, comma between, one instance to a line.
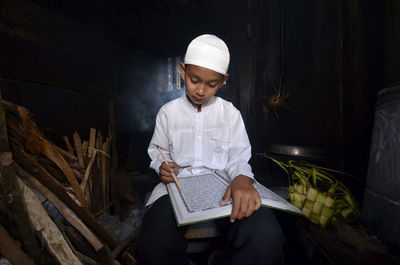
(210,52)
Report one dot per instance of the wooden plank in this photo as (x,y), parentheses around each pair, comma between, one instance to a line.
(10,193)
(67,156)
(78,147)
(68,145)
(52,168)
(11,249)
(29,163)
(64,210)
(97,196)
(48,231)
(99,142)
(87,172)
(35,142)
(85,147)
(92,142)
(77,241)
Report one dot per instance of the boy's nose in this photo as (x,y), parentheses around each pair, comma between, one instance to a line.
(200,90)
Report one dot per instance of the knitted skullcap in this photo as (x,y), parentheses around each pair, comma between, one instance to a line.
(210,52)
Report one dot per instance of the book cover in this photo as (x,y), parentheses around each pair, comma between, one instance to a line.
(201,194)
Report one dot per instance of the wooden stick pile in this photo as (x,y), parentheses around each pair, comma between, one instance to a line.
(92,168)
(76,181)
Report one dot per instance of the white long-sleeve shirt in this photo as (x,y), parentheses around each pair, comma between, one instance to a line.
(200,142)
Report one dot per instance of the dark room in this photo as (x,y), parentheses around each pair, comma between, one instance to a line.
(199,132)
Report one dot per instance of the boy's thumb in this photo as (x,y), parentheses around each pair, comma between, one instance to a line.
(226,196)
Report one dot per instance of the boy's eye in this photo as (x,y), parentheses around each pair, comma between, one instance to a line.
(212,85)
(194,81)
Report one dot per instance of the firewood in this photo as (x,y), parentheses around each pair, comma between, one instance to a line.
(51,168)
(78,147)
(64,231)
(11,249)
(10,193)
(92,142)
(99,143)
(59,160)
(85,147)
(29,163)
(79,243)
(68,145)
(87,173)
(55,242)
(77,174)
(68,214)
(127,258)
(97,192)
(36,143)
(70,158)
(78,167)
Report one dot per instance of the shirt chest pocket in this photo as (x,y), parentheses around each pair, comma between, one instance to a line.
(219,146)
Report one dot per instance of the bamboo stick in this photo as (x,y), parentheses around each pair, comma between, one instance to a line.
(55,242)
(87,172)
(92,142)
(10,193)
(78,147)
(68,145)
(70,158)
(64,210)
(85,147)
(36,143)
(74,241)
(29,163)
(78,242)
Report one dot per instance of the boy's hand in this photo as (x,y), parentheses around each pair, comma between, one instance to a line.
(166,172)
(245,198)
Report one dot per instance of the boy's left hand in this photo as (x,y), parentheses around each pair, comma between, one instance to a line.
(245,198)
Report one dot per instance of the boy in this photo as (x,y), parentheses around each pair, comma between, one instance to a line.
(198,133)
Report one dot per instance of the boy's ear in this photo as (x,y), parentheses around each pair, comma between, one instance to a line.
(182,70)
(225,78)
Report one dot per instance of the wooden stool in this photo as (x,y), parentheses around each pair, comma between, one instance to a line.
(201,237)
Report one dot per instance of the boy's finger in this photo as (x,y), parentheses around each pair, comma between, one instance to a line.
(172,165)
(258,202)
(244,205)
(226,196)
(251,207)
(235,209)
(166,179)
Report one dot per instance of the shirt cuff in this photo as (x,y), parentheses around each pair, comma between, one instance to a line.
(241,170)
(156,163)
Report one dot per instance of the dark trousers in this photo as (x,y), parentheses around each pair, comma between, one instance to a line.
(255,240)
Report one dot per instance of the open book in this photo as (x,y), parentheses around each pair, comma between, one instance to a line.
(201,194)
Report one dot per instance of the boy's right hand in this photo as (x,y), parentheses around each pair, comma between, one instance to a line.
(166,172)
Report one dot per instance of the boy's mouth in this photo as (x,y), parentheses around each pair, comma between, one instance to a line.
(197,100)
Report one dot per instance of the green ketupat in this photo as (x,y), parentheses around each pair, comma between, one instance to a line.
(306,182)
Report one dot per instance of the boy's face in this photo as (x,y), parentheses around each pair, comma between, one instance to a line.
(201,83)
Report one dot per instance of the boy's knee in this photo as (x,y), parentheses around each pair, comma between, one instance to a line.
(265,227)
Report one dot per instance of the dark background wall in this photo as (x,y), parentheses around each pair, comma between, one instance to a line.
(64,60)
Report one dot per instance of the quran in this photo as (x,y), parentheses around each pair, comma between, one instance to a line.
(201,194)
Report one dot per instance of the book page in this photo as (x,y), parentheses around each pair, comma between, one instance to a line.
(202,192)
